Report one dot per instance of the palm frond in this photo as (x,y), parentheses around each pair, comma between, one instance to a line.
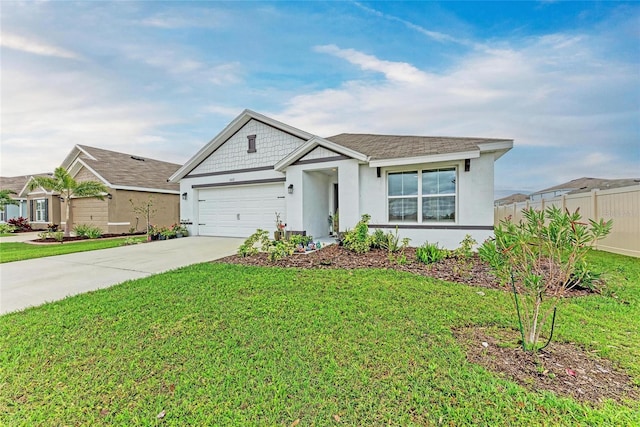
(91,189)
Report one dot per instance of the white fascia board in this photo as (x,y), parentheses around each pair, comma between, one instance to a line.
(500,147)
(316,141)
(425,159)
(226,133)
(147,190)
(73,155)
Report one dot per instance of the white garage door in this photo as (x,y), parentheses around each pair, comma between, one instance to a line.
(237,211)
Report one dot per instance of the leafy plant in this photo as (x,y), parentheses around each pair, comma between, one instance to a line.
(358,240)
(542,257)
(21,223)
(280,249)
(430,253)
(56,235)
(249,248)
(465,250)
(129,241)
(378,239)
(89,231)
(7,228)
(298,239)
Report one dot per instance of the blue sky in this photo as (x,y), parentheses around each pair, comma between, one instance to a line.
(160,79)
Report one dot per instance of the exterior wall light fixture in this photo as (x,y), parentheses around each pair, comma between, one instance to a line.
(290,189)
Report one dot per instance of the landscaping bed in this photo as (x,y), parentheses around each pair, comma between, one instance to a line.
(562,368)
(477,273)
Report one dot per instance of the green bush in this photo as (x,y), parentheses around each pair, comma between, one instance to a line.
(249,248)
(7,228)
(87,230)
(430,253)
(280,249)
(542,257)
(298,239)
(358,240)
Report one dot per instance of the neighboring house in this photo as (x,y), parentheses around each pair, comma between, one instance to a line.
(128,177)
(18,185)
(513,198)
(435,189)
(581,185)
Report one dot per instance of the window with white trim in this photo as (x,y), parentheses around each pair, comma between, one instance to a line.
(41,210)
(423,196)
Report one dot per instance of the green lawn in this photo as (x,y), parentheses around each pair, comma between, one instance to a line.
(216,344)
(13,251)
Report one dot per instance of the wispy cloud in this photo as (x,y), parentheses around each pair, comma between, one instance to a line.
(187,18)
(36,47)
(434,35)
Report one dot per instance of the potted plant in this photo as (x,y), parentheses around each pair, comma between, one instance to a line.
(280,226)
(167,233)
(153,232)
(335,222)
(180,230)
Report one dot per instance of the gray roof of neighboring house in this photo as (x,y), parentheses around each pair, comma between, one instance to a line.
(581,185)
(17,183)
(121,169)
(379,147)
(513,198)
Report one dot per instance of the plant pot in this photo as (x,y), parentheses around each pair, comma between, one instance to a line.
(277,235)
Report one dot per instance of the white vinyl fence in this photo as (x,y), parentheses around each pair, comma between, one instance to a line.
(620,204)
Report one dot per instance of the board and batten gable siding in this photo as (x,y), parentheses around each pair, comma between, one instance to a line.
(271,145)
(318,153)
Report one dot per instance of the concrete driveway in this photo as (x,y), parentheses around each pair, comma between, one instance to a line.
(34,282)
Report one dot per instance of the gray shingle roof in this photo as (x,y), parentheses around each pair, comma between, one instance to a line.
(129,170)
(17,183)
(397,146)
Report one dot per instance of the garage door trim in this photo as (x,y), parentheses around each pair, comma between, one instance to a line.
(248,182)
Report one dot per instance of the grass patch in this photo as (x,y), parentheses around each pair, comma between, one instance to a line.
(216,344)
(18,251)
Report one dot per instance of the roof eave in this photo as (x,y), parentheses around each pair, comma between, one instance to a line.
(500,148)
(434,158)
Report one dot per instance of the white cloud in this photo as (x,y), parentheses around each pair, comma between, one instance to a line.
(36,47)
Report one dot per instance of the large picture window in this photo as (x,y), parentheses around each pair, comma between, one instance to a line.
(422,196)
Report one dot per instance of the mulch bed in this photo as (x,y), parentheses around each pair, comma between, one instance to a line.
(562,368)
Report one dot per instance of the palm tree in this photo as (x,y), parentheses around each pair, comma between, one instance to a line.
(6,199)
(63,183)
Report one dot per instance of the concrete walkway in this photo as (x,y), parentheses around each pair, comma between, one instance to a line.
(34,282)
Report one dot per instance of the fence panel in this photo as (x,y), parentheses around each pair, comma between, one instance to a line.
(622,205)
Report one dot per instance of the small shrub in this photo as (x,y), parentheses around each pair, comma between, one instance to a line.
(378,239)
(465,250)
(298,239)
(280,249)
(7,228)
(249,248)
(56,235)
(88,231)
(430,253)
(21,223)
(358,240)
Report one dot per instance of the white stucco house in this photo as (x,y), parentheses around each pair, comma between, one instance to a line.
(435,189)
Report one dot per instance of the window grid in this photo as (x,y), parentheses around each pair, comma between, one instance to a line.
(412,207)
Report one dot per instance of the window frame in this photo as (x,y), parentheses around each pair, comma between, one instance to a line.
(420,196)
(41,207)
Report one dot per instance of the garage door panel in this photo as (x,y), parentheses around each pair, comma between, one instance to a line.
(239,211)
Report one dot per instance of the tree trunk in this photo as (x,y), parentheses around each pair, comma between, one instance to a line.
(67,225)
